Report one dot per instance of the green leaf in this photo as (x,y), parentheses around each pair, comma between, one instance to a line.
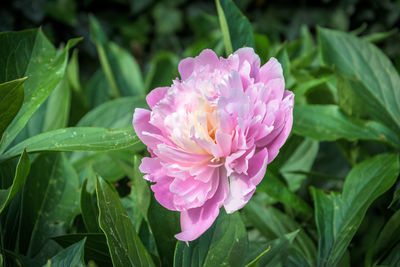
(277,189)
(396,195)
(23,167)
(50,201)
(162,71)
(273,224)
(113,114)
(73,72)
(76,139)
(393,259)
(236,29)
(283,57)
(349,102)
(301,160)
(328,123)
(338,217)
(90,213)
(262,47)
(303,88)
(224,244)
(11,98)
(95,246)
(125,247)
(107,164)
(139,185)
(58,106)
(278,254)
(164,225)
(120,68)
(97,90)
(388,237)
(254,262)
(30,54)
(70,256)
(379,36)
(372,77)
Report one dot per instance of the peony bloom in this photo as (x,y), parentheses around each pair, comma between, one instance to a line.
(212,133)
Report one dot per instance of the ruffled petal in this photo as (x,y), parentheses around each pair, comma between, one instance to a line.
(156,95)
(141,118)
(242,186)
(194,222)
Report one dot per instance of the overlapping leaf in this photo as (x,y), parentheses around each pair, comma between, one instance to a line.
(338,217)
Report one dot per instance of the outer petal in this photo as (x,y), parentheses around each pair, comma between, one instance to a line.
(271,74)
(271,70)
(186,67)
(276,144)
(247,54)
(156,95)
(207,57)
(242,186)
(194,222)
(162,192)
(141,118)
(152,167)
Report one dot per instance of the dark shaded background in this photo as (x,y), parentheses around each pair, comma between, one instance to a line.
(146,27)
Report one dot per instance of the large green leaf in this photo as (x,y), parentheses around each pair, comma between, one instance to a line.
(23,167)
(113,114)
(95,246)
(273,224)
(328,123)
(236,29)
(277,189)
(71,256)
(52,114)
(388,237)
(50,201)
(140,188)
(224,244)
(301,160)
(90,213)
(30,54)
(120,68)
(164,225)
(372,77)
(125,247)
(97,90)
(11,98)
(57,108)
(76,139)
(338,217)
(393,259)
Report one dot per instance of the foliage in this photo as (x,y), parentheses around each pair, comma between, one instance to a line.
(71,193)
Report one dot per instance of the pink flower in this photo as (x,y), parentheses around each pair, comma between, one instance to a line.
(212,134)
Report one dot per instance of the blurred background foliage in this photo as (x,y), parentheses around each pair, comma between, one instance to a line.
(148,27)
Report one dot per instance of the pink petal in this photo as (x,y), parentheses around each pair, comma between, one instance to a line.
(194,222)
(186,67)
(223,145)
(152,166)
(156,95)
(207,57)
(271,70)
(171,154)
(162,193)
(247,54)
(242,186)
(141,118)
